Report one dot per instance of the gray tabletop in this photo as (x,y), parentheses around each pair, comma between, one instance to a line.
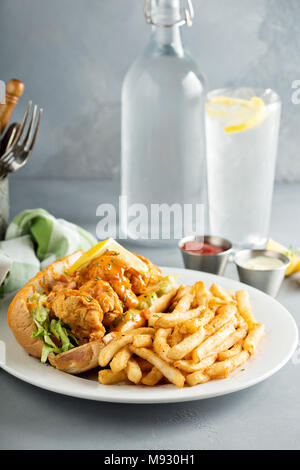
(266,416)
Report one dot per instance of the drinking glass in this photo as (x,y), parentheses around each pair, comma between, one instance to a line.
(242,127)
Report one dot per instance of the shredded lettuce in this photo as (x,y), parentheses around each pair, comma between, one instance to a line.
(46,329)
(45,353)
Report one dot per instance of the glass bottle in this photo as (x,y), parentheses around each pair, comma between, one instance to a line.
(162,127)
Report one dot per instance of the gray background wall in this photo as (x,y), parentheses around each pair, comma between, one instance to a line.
(73,54)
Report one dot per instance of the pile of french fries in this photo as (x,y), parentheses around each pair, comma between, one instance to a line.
(204,335)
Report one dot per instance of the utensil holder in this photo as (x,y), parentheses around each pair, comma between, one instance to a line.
(4,206)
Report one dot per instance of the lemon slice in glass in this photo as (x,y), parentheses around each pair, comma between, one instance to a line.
(110,244)
(240,114)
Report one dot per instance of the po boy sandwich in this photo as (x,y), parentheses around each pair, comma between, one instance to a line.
(69,311)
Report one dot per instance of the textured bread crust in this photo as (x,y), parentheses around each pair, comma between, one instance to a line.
(21,323)
(20,319)
(80,359)
(77,360)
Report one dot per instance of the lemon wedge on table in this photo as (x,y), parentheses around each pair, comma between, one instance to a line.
(109,245)
(294,265)
(241,114)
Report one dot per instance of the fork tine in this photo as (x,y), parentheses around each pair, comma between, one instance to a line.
(17,156)
(14,138)
(8,163)
(36,130)
(30,128)
(11,139)
(23,123)
(6,157)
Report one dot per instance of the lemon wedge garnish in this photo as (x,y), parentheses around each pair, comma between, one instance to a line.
(294,265)
(241,114)
(110,244)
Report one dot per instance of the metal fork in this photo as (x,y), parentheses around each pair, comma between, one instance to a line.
(18,150)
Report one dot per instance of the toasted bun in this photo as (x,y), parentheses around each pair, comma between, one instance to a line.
(22,325)
(80,359)
(19,317)
(77,360)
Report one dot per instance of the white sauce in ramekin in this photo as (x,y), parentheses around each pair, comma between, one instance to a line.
(263,263)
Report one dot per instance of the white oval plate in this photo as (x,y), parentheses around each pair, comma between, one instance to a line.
(274,352)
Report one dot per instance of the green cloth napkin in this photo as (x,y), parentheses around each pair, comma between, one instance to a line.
(33,240)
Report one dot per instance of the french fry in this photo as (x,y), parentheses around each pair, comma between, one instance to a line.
(109,351)
(222,369)
(215,303)
(187,345)
(191,326)
(197,378)
(244,307)
(199,289)
(133,371)
(140,331)
(190,366)
(153,319)
(230,341)
(201,294)
(171,319)
(241,323)
(120,360)
(203,335)
(152,378)
(142,341)
(160,344)
(238,335)
(210,345)
(171,373)
(233,351)
(145,366)
(218,291)
(255,335)
(108,377)
(181,291)
(176,336)
(202,301)
(177,317)
(185,301)
(225,315)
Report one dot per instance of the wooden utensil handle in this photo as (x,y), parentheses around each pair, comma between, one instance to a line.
(14,90)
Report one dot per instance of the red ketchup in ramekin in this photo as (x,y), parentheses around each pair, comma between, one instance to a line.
(202,248)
